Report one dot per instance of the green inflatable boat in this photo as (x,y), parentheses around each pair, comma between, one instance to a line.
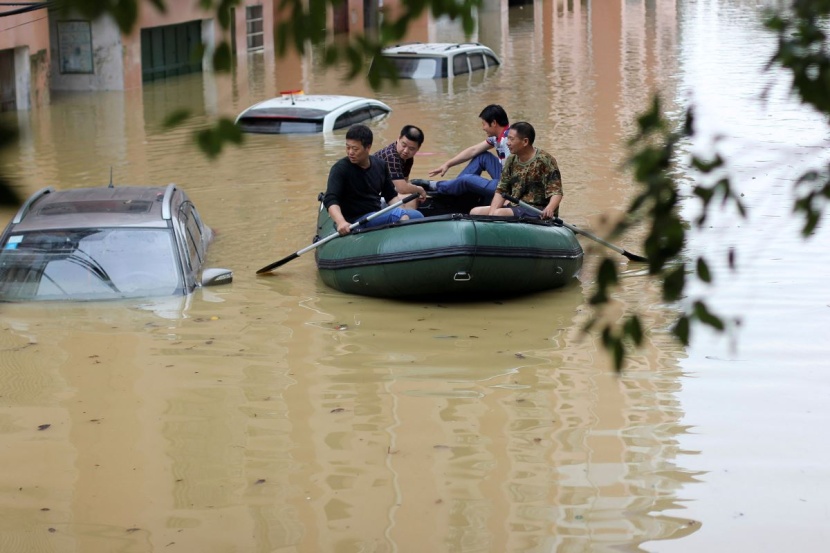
(449,253)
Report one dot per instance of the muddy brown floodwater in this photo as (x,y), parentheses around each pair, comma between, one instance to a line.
(276,414)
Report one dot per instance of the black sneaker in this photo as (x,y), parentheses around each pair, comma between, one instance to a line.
(423,183)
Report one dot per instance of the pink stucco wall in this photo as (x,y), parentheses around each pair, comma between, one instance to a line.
(30,30)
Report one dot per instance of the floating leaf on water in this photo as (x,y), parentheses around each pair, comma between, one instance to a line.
(337,410)
(43,426)
(260,481)
(520,355)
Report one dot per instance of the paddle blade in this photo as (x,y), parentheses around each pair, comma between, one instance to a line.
(275,264)
(634,257)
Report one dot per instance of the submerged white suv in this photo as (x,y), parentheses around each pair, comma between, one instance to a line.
(433,60)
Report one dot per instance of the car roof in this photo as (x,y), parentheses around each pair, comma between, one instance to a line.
(103,206)
(311,105)
(434,48)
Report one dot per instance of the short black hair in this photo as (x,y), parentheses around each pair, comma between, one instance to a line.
(494,112)
(361,133)
(524,130)
(413,133)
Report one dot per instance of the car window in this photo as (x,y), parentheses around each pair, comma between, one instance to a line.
(290,127)
(476,61)
(417,68)
(193,236)
(377,111)
(459,64)
(356,115)
(89,264)
(279,125)
(491,60)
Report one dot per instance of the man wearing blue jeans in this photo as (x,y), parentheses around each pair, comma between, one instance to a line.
(357,182)
(495,124)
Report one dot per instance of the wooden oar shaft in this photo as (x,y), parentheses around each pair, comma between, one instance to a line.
(362,221)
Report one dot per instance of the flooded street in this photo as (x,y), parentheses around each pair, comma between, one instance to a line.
(276,414)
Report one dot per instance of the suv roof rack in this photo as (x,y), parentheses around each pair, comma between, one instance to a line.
(460,44)
(27,206)
(167,201)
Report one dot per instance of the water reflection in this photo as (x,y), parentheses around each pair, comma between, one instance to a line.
(281,414)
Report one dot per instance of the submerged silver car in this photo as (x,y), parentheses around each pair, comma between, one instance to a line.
(106,243)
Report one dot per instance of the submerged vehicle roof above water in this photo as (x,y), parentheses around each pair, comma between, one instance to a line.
(434,60)
(105,243)
(298,113)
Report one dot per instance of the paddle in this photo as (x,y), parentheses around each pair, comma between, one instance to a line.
(577,230)
(363,220)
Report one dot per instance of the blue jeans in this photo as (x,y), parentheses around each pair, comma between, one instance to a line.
(470,179)
(394,216)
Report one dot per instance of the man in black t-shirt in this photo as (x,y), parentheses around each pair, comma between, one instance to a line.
(357,182)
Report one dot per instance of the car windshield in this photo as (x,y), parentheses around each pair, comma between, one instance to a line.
(416,68)
(89,264)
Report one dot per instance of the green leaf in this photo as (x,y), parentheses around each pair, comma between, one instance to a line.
(607,273)
(681,329)
(229,131)
(223,12)
(703,270)
(222,57)
(176,118)
(706,317)
(618,353)
(634,330)
(606,278)
(674,282)
(212,139)
(159,5)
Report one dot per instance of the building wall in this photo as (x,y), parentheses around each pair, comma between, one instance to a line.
(241,30)
(28,35)
(107,69)
(116,58)
(177,12)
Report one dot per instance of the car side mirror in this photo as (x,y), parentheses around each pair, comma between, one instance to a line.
(215,277)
